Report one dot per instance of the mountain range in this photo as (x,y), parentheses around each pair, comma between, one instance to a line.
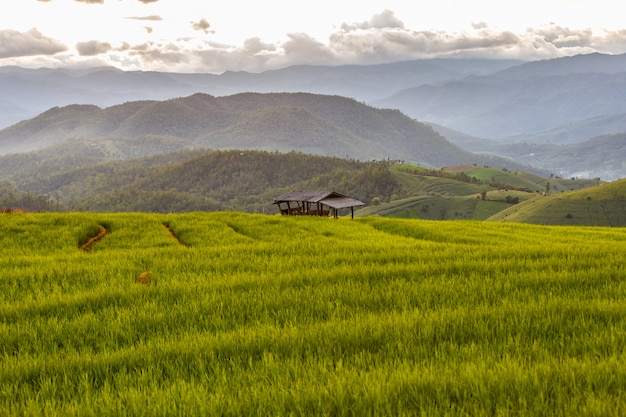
(565,115)
(29,92)
(524,100)
(283,122)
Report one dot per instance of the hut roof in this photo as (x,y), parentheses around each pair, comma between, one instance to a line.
(330,198)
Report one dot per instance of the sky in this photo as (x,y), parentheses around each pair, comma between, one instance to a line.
(213,36)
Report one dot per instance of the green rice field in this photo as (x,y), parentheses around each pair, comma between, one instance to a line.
(233,314)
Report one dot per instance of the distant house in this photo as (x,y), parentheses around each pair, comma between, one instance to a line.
(315,203)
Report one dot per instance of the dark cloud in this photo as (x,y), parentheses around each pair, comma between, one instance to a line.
(201,25)
(92,48)
(17,44)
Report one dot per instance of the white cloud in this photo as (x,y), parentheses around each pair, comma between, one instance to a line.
(18,44)
(383,20)
(177,40)
(92,48)
(201,25)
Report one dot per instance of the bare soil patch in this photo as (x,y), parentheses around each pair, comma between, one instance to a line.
(89,244)
(173,235)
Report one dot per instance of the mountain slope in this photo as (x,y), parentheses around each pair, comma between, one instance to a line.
(603,205)
(328,125)
(603,156)
(526,99)
(28,92)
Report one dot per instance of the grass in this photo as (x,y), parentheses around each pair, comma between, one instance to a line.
(269,315)
(602,205)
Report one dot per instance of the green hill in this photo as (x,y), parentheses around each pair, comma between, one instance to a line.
(93,178)
(603,205)
(193,180)
(455,193)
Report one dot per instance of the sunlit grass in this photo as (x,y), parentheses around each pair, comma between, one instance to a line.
(269,315)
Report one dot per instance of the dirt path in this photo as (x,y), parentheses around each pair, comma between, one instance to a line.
(89,244)
(173,235)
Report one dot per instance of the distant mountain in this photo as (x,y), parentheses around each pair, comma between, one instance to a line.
(578,64)
(28,92)
(524,100)
(317,124)
(482,106)
(602,156)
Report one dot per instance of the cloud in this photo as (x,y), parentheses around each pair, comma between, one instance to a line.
(92,48)
(99,1)
(304,49)
(256,46)
(363,43)
(613,42)
(383,38)
(18,44)
(385,19)
(153,18)
(201,25)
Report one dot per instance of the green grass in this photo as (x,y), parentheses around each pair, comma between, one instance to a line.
(505,177)
(269,315)
(436,197)
(603,205)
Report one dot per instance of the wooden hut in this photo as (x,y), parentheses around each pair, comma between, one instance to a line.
(315,203)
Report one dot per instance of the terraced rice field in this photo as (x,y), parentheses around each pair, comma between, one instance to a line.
(238,314)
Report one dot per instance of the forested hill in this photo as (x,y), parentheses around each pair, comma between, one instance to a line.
(198,180)
(284,122)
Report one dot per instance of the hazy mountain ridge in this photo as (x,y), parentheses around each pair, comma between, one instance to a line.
(601,156)
(499,108)
(555,101)
(330,125)
(28,92)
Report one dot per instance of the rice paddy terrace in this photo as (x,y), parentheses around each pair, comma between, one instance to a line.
(239,314)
